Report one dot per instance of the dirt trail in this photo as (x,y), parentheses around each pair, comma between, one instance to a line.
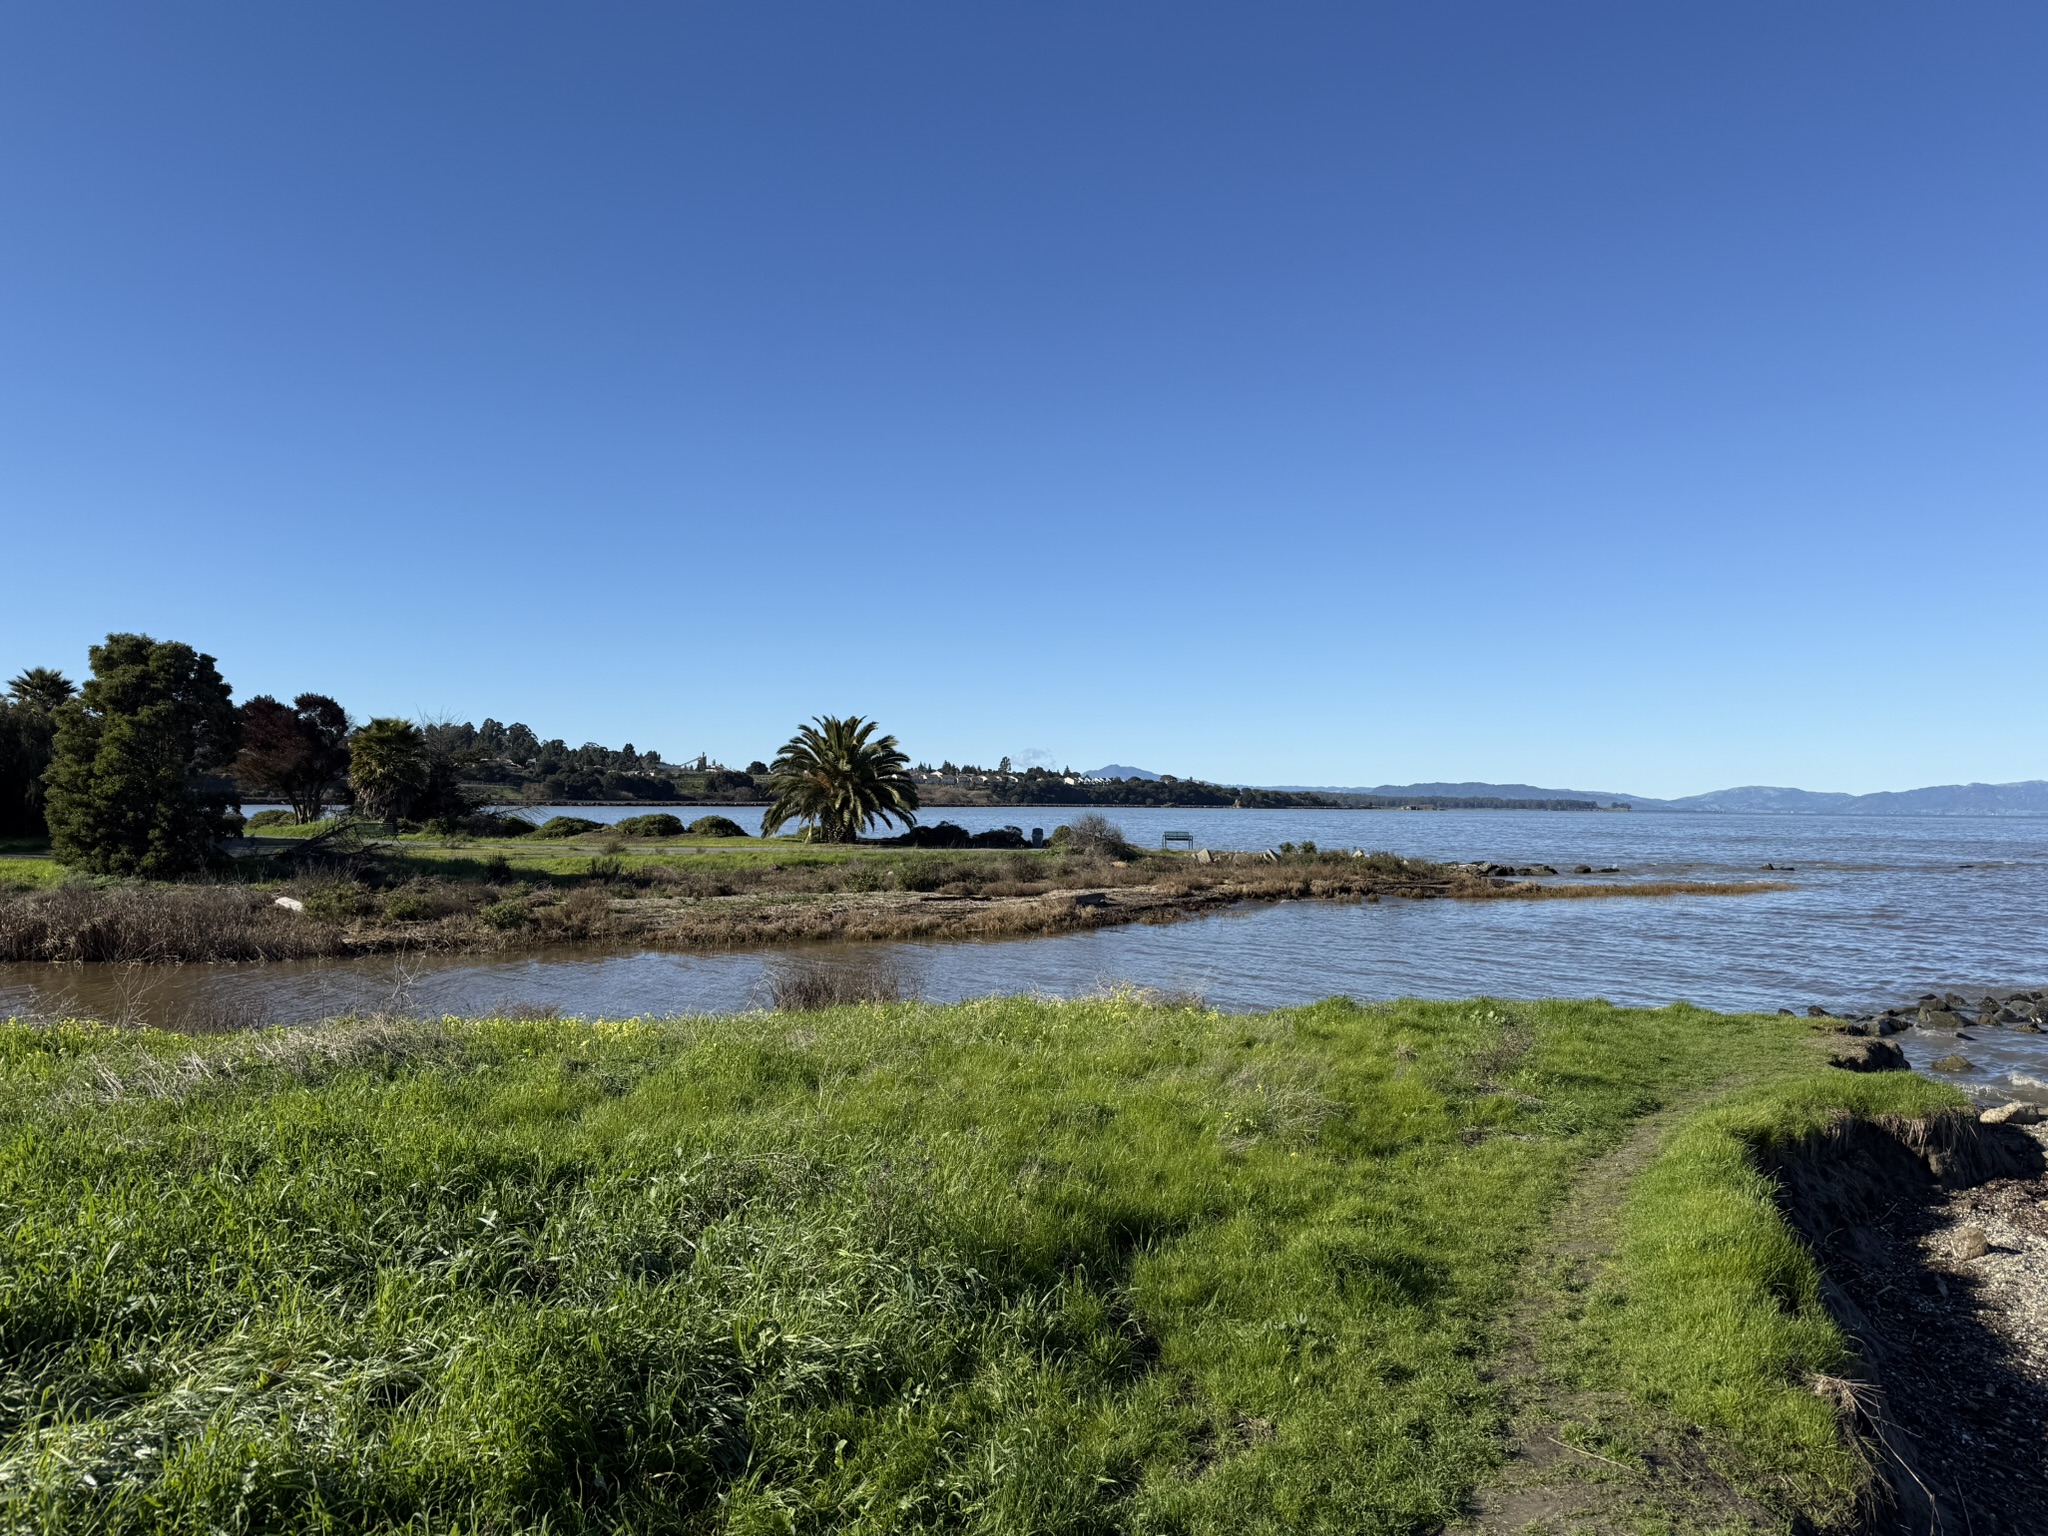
(1562,1473)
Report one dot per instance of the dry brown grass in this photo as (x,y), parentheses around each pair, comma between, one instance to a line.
(927,896)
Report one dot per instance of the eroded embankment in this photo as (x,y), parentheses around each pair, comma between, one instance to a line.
(1948,1322)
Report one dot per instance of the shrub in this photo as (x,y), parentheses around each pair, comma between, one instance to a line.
(410,906)
(568,826)
(272,818)
(607,867)
(946,834)
(339,900)
(504,915)
(716,826)
(1092,833)
(809,985)
(658,824)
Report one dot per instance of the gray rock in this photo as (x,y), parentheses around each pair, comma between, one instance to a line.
(1972,1243)
(1867,1056)
(2016,1113)
(1952,1063)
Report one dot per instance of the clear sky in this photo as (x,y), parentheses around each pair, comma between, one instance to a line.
(1610,396)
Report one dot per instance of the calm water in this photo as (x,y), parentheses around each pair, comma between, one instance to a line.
(1881,910)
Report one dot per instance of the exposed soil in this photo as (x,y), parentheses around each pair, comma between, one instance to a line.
(1933,1236)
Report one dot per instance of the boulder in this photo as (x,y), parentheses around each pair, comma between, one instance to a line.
(1972,1243)
(1952,1062)
(1853,1055)
(1583,869)
(1934,1016)
(2016,1113)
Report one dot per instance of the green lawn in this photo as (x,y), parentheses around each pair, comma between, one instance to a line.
(1007,1266)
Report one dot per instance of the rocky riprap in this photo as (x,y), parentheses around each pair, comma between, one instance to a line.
(2025,1011)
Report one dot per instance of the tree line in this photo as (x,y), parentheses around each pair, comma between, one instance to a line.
(141,770)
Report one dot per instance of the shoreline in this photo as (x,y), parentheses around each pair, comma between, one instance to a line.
(214,924)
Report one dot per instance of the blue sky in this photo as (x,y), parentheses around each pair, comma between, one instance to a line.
(1599,395)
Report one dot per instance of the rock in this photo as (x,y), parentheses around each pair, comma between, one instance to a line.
(290,903)
(1853,1055)
(2019,1112)
(1202,856)
(1933,1016)
(1989,1005)
(1610,869)
(1952,1063)
(1583,869)
(1972,1243)
(1542,869)
(1955,1000)
(1815,1011)
(1786,1012)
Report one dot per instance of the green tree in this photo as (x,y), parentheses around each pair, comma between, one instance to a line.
(836,777)
(128,791)
(28,730)
(387,768)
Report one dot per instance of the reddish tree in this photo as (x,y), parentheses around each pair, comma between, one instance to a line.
(298,752)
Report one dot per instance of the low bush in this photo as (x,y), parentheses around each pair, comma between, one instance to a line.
(568,826)
(270,818)
(658,824)
(1092,834)
(495,824)
(716,826)
(504,915)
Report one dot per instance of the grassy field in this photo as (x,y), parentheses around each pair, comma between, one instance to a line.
(1007,1266)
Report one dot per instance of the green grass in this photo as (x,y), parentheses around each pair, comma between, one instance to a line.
(30,874)
(1714,1310)
(1007,1266)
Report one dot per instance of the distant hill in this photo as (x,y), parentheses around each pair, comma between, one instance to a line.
(2027,798)
(1461,792)
(1119,771)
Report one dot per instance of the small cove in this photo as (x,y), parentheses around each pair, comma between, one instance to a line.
(1882,909)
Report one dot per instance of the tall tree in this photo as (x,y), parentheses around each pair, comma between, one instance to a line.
(839,778)
(387,768)
(298,752)
(127,792)
(28,729)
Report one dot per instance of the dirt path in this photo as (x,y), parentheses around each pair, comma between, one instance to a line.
(1589,1461)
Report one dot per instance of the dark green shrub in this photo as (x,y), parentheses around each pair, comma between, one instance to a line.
(339,900)
(568,826)
(607,868)
(271,818)
(716,826)
(504,915)
(657,824)
(494,824)
(410,906)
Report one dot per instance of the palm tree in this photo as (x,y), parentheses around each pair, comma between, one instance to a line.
(831,775)
(387,768)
